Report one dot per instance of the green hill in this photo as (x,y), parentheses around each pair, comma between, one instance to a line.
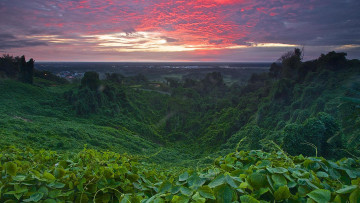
(192,140)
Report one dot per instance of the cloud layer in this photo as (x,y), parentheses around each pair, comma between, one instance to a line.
(177,30)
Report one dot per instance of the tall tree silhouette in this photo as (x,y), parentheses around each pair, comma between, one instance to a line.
(26,70)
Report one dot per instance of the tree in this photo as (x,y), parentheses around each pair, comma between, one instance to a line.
(275,70)
(115,77)
(9,66)
(172,82)
(190,83)
(90,80)
(213,79)
(332,60)
(291,62)
(26,70)
(306,67)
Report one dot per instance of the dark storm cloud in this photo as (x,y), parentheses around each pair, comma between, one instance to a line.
(8,44)
(323,23)
(220,41)
(243,41)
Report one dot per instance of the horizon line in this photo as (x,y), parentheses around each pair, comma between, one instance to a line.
(154,61)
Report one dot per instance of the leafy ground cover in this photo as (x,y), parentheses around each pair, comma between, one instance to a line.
(29,175)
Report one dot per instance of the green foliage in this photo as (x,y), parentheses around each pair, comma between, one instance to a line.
(49,76)
(252,176)
(26,74)
(307,108)
(9,66)
(321,131)
(90,80)
(115,77)
(86,100)
(290,62)
(333,60)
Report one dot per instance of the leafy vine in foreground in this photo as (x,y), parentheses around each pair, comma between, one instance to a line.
(29,175)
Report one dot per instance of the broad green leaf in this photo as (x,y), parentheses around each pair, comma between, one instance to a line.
(303,190)
(184,176)
(154,199)
(175,189)
(279,179)
(270,182)
(20,189)
(321,174)
(248,199)
(125,199)
(11,168)
(347,189)
(157,200)
(195,181)
(320,195)
(231,182)
(165,187)
(334,174)
(261,191)
(309,183)
(230,159)
(56,185)
(180,199)
(19,178)
(82,198)
(219,180)
(59,172)
(185,191)
(44,190)
(350,174)
(92,188)
(50,201)
(18,196)
(338,199)
(54,193)
(80,186)
(244,185)
(10,192)
(257,180)
(48,176)
(292,184)
(224,193)
(206,192)
(264,163)
(198,199)
(34,197)
(355,196)
(277,170)
(66,194)
(282,193)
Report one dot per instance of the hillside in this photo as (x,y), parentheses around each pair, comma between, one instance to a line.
(198,140)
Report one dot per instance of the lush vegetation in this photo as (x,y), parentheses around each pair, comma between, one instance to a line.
(34,176)
(182,140)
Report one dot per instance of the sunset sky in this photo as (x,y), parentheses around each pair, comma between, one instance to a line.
(177,30)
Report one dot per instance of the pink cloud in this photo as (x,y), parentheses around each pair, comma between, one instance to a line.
(178,24)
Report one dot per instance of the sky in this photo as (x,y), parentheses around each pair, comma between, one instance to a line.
(177,30)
